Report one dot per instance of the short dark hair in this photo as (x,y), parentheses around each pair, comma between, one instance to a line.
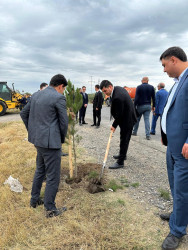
(58,80)
(44,84)
(105,84)
(83,87)
(174,51)
(97,86)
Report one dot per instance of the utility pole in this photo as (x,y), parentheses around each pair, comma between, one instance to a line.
(91,83)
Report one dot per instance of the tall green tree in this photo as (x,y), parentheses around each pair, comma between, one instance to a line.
(74,103)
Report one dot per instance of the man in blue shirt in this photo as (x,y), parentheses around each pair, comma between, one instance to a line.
(145,93)
(160,100)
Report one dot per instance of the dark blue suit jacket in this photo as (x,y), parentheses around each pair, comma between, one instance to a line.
(160,100)
(177,118)
(85,99)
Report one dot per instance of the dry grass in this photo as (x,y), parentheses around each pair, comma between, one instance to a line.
(97,221)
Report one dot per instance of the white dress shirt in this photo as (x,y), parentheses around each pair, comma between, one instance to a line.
(163,120)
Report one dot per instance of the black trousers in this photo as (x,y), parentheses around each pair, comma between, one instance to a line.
(48,162)
(125,136)
(97,117)
(82,113)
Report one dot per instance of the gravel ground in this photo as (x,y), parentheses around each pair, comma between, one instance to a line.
(145,164)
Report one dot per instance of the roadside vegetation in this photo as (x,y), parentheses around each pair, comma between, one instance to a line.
(108,220)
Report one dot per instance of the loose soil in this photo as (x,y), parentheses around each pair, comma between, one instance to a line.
(83,180)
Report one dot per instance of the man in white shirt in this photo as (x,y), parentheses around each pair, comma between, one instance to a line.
(174,130)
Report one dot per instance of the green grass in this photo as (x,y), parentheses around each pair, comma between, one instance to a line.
(93,174)
(164,194)
(121,202)
(113,185)
(135,185)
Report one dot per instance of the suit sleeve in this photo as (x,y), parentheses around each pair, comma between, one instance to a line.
(86,98)
(157,103)
(99,103)
(118,112)
(25,114)
(62,115)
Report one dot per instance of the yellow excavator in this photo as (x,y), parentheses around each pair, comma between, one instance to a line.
(9,99)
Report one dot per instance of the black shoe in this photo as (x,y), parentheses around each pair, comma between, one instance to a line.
(151,133)
(117,157)
(80,124)
(56,212)
(93,125)
(165,216)
(64,154)
(148,138)
(116,165)
(98,126)
(171,242)
(84,123)
(38,203)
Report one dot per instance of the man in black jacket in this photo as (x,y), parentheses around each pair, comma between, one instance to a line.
(123,112)
(97,106)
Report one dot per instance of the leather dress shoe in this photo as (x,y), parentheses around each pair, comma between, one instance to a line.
(116,165)
(84,123)
(171,242)
(98,126)
(93,125)
(116,157)
(148,138)
(165,216)
(36,204)
(64,154)
(56,212)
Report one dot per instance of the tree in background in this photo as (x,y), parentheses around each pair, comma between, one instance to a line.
(74,103)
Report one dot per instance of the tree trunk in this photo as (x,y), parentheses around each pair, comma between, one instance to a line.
(70,158)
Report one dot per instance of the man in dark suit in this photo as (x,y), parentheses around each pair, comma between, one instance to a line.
(97,106)
(123,112)
(174,124)
(160,100)
(82,111)
(45,118)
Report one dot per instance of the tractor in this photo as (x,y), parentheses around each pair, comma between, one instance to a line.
(9,99)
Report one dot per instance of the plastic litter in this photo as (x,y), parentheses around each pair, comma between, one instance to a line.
(14,184)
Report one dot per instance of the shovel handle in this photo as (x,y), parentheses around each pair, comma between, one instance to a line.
(107,148)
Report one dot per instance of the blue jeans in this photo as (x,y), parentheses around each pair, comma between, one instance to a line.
(154,122)
(145,111)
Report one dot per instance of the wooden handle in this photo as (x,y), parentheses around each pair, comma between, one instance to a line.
(107,148)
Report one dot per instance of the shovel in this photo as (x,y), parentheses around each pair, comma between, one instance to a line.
(106,155)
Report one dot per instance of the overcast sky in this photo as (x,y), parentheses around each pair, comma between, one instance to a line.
(117,40)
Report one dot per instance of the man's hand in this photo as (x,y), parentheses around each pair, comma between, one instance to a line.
(153,109)
(113,129)
(85,105)
(97,109)
(185,151)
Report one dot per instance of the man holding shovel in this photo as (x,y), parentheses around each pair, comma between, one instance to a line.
(123,112)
